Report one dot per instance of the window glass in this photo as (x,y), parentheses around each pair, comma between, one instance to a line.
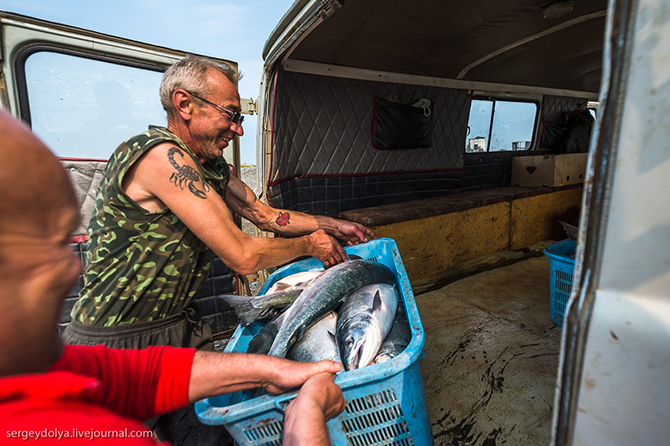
(479,125)
(497,125)
(84,108)
(513,124)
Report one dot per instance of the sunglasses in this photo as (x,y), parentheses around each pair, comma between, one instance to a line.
(235,117)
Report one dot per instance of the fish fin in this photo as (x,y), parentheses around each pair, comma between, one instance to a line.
(249,317)
(332,336)
(377,302)
(280,286)
(268,313)
(304,283)
(243,307)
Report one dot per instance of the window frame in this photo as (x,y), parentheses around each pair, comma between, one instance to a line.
(24,54)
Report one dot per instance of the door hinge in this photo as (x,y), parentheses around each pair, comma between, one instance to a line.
(248,106)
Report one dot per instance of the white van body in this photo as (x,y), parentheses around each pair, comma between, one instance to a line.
(615,357)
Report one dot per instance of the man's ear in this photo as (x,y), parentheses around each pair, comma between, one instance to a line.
(183,103)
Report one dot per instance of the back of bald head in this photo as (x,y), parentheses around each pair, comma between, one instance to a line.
(33,182)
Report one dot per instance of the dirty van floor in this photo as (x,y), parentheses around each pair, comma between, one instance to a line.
(491,356)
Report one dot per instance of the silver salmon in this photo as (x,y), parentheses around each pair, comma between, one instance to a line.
(278,297)
(324,294)
(364,321)
(318,342)
(398,338)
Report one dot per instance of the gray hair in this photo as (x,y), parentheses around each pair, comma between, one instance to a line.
(190,74)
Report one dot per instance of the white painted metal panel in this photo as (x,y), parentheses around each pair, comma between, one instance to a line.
(625,392)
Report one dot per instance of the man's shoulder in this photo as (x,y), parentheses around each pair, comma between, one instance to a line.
(136,146)
(154,135)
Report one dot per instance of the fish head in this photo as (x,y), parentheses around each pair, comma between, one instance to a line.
(350,351)
(358,344)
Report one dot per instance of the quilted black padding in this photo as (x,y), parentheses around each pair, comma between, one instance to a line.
(323,126)
(332,195)
(487,170)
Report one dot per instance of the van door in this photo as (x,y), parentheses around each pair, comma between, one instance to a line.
(613,373)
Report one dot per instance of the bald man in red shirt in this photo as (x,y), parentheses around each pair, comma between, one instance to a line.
(71,395)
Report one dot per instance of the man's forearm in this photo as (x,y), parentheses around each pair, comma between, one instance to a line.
(221,373)
(305,417)
(247,254)
(305,425)
(292,223)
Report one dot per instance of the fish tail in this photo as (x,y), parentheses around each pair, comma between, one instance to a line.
(244,308)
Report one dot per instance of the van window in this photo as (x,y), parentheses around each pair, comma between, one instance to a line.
(496,125)
(84,108)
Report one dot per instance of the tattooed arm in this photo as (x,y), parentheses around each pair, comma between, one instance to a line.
(242,200)
(166,177)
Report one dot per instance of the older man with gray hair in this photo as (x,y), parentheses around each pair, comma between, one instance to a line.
(164,210)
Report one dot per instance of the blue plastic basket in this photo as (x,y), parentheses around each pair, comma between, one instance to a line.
(386,403)
(561,257)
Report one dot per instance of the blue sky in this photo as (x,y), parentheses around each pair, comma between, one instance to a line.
(232,29)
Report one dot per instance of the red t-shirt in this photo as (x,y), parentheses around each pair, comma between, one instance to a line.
(95,393)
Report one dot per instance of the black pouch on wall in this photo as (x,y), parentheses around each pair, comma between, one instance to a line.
(396,126)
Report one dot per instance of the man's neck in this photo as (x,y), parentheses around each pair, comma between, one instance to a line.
(181,131)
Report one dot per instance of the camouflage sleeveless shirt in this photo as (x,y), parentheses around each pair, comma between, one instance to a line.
(141,266)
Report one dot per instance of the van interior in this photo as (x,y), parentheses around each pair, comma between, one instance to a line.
(429,123)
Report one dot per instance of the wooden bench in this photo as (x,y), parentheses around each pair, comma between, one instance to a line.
(439,233)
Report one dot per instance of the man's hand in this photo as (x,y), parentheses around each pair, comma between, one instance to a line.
(352,233)
(326,248)
(305,418)
(322,391)
(291,374)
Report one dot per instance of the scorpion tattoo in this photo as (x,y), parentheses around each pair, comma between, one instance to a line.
(186,175)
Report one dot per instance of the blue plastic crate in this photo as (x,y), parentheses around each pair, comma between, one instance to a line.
(386,403)
(561,257)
